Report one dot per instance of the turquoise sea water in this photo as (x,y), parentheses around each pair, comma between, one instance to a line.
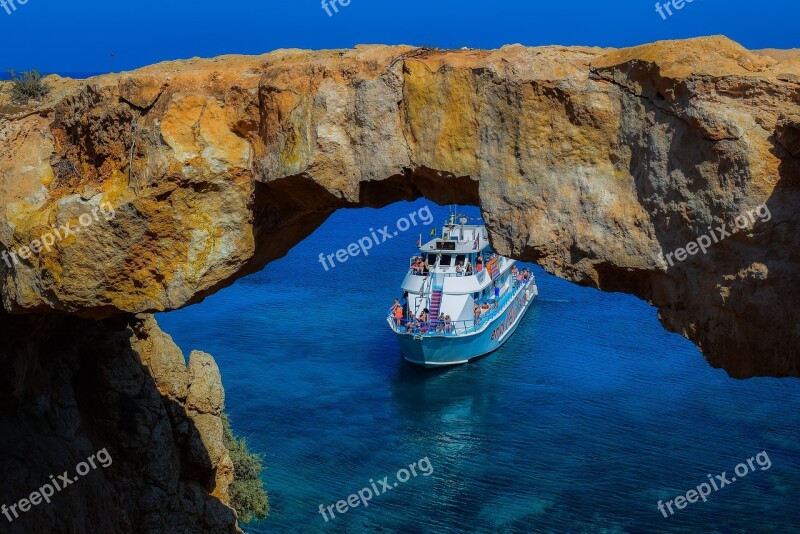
(581,422)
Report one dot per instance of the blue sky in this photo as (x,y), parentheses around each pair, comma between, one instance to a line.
(113,35)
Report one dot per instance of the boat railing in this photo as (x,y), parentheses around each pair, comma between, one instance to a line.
(455,328)
(480,274)
(501,263)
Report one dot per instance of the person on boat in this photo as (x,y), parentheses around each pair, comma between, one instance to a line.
(477,311)
(412,327)
(448,324)
(404,304)
(468,269)
(423,316)
(397,311)
(425,268)
(423,320)
(459,269)
(496,292)
(441,323)
(479,264)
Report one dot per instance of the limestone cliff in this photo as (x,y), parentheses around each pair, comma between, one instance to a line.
(596,163)
(71,387)
(599,164)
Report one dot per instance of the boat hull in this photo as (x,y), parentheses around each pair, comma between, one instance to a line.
(441,350)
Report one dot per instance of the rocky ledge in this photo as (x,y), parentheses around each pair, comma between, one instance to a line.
(669,171)
(72,387)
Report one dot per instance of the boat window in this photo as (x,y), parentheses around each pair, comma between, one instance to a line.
(476,296)
(460,259)
(446,259)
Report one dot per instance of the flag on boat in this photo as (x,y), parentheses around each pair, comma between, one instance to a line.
(433,232)
(476,243)
(419,241)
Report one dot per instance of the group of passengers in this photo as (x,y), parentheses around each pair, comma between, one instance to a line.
(420,324)
(462,270)
(468,270)
(445,325)
(400,311)
(520,276)
(420,266)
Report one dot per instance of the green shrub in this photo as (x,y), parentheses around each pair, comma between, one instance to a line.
(28,86)
(249,500)
(248,496)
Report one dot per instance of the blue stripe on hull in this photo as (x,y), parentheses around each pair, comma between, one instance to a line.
(438,351)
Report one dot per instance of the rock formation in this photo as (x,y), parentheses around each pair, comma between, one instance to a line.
(601,165)
(72,387)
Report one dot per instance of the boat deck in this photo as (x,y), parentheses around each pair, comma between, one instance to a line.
(440,328)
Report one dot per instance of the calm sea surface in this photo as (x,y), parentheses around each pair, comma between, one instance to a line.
(585,418)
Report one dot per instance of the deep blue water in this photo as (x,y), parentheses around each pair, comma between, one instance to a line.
(588,415)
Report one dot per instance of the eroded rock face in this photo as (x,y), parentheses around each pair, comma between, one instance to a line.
(72,387)
(598,164)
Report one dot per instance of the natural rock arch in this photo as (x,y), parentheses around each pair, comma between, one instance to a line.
(595,163)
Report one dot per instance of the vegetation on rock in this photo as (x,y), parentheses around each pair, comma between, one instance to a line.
(248,496)
(27,86)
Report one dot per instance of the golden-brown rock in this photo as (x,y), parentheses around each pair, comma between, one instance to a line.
(596,163)
(599,164)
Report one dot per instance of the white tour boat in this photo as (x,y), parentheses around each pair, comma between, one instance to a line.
(461,300)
